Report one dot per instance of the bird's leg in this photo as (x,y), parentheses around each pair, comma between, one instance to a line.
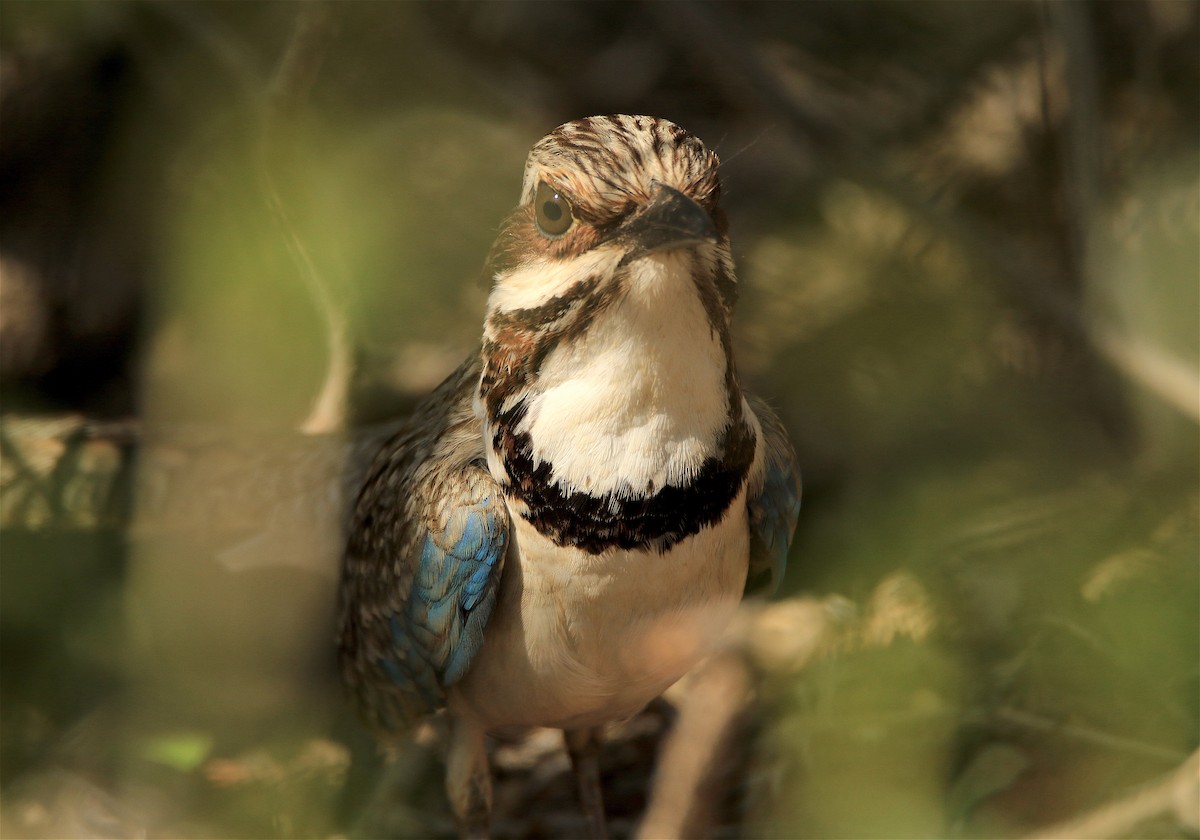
(583,745)
(468,778)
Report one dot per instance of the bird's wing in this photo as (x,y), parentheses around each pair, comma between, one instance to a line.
(773,502)
(425,550)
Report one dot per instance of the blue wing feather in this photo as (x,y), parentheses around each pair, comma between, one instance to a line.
(426,542)
(454,589)
(773,504)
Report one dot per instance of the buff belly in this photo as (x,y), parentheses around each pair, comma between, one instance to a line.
(580,639)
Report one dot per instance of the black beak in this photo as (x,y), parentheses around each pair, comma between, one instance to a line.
(670,220)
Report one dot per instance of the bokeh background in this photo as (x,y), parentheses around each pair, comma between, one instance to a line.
(236,239)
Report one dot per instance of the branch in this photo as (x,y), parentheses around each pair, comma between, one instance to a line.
(696,757)
(297,71)
(1175,795)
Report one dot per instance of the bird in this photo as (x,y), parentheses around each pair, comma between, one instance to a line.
(565,526)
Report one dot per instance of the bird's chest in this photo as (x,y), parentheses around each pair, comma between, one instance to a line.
(579,639)
(623,453)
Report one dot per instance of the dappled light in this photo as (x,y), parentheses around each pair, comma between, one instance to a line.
(239,241)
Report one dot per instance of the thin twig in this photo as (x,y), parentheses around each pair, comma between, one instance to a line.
(316,26)
(1098,737)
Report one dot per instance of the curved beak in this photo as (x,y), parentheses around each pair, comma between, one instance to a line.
(669,220)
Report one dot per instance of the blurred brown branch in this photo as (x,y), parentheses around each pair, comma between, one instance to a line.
(697,759)
(1175,796)
(65,472)
(70,473)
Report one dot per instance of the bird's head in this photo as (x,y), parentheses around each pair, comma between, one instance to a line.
(608,376)
(613,282)
(601,194)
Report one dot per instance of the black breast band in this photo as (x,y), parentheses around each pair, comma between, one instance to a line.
(594,523)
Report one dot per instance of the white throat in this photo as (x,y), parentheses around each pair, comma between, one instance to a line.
(638,401)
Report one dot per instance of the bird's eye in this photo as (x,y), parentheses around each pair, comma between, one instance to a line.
(552,211)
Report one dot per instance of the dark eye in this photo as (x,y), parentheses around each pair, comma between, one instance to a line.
(552,211)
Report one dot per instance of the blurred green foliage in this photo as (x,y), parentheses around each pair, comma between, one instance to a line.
(967,238)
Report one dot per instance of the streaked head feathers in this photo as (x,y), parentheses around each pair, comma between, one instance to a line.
(606,164)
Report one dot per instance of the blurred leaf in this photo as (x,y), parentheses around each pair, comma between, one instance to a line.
(182,751)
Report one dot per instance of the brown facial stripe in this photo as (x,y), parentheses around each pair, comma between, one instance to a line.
(520,339)
(655,521)
(718,320)
(546,314)
(726,287)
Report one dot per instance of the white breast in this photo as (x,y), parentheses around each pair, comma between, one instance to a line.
(639,399)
